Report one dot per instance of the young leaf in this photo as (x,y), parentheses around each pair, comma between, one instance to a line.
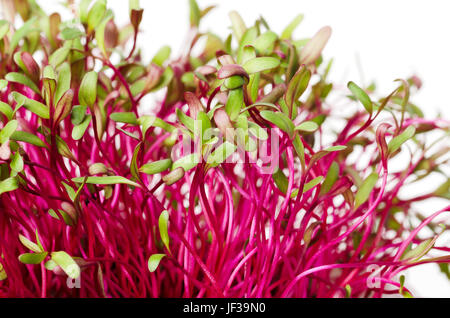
(96,14)
(124,117)
(397,141)
(221,154)
(162,55)
(79,130)
(28,138)
(66,262)
(238,25)
(17,162)
(100,32)
(280,180)
(363,193)
(194,15)
(234,103)
(312,50)
(260,64)
(29,244)
(162,223)
(23,31)
(419,251)
(9,184)
(187,162)
(64,79)
(88,89)
(297,87)
(311,184)
(59,56)
(153,261)
(361,95)
(156,166)
(287,32)
(22,79)
(280,120)
(33,105)
(307,126)
(63,107)
(107,180)
(6,110)
(331,178)
(78,114)
(265,41)
(8,130)
(32,258)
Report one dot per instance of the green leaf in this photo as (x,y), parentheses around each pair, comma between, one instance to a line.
(78,114)
(59,56)
(187,162)
(64,78)
(308,126)
(107,180)
(79,130)
(28,138)
(331,178)
(237,25)
(280,180)
(163,232)
(361,96)
(162,55)
(17,162)
(9,184)
(280,120)
(419,251)
(366,188)
(156,166)
(66,262)
(397,142)
(194,15)
(23,31)
(3,84)
(153,261)
(87,94)
(260,64)
(311,184)
(96,14)
(257,131)
(335,148)
(4,28)
(296,87)
(287,32)
(8,130)
(100,32)
(3,274)
(124,117)
(50,265)
(234,103)
(38,241)
(234,82)
(187,121)
(22,79)
(29,244)
(83,10)
(71,33)
(32,105)
(6,110)
(32,258)
(221,153)
(265,41)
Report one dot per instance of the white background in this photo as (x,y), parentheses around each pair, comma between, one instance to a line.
(389,39)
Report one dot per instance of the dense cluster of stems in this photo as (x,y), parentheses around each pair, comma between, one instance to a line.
(232,182)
